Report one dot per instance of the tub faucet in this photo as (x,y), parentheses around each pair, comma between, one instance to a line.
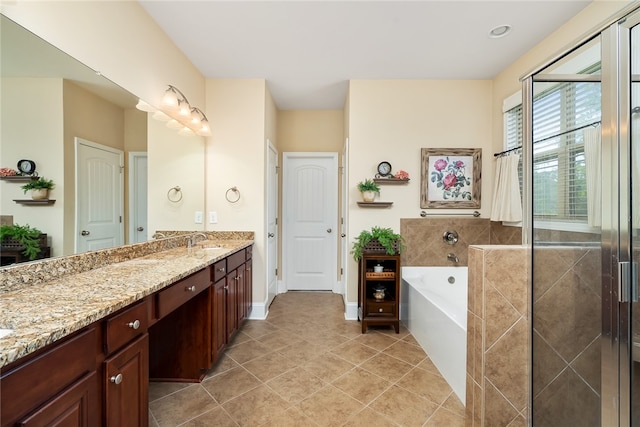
(452,257)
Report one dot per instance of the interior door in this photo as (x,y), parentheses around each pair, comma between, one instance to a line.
(272,222)
(138,197)
(310,208)
(99,189)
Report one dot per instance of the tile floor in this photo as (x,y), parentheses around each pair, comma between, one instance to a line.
(307,366)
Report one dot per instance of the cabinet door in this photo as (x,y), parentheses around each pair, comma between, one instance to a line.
(218,319)
(75,406)
(248,286)
(231,305)
(126,383)
(240,296)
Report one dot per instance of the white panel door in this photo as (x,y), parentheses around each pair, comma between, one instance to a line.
(138,197)
(272,223)
(98,196)
(310,206)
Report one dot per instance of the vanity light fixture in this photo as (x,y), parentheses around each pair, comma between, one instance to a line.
(499,31)
(176,111)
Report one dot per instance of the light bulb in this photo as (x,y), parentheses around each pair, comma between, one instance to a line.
(174,124)
(186,131)
(205,130)
(170,99)
(184,109)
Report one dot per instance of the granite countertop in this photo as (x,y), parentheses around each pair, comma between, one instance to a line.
(43,313)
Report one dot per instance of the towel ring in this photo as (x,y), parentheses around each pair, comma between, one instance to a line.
(177,194)
(235,190)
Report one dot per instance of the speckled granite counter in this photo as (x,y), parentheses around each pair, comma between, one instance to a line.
(43,311)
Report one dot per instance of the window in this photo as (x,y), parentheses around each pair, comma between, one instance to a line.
(560,112)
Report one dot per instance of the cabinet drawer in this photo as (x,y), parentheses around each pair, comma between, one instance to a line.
(37,380)
(125,326)
(249,252)
(182,291)
(235,260)
(381,309)
(219,270)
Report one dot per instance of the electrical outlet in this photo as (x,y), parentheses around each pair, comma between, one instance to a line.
(213,217)
(198,217)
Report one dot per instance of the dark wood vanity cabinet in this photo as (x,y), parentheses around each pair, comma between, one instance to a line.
(100,375)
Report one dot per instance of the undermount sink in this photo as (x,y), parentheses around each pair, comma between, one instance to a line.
(5,332)
(206,248)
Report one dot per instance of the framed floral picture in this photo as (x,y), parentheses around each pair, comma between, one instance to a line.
(451,178)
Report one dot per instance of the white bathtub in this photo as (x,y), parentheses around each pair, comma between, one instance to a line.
(435,311)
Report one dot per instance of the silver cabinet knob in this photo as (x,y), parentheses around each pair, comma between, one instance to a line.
(379,310)
(134,325)
(329,230)
(85,232)
(221,269)
(117,379)
(270,234)
(190,288)
(140,228)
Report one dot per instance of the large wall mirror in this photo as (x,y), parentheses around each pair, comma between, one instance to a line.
(84,132)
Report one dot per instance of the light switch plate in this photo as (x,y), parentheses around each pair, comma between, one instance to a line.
(198,217)
(213,217)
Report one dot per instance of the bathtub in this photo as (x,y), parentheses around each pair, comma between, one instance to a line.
(435,311)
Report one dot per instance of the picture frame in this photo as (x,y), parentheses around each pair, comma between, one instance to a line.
(451,178)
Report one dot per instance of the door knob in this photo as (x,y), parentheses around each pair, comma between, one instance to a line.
(85,232)
(328,230)
(140,229)
(270,235)
(343,235)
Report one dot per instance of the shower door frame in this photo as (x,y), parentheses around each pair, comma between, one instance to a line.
(616,245)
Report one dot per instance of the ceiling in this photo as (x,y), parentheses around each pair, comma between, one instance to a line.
(308,50)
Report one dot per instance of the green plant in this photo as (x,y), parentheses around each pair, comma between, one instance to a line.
(385,236)
(37,184)
(25,235)
(368,185)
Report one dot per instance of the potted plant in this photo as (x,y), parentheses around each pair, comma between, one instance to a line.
(377,240)
(22,236)
(369,189)
(39,188)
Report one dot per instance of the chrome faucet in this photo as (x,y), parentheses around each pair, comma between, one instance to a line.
(194,240)
(158,235)
(453,257)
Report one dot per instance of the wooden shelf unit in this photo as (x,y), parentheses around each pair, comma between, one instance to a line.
(372,311)
(32,202)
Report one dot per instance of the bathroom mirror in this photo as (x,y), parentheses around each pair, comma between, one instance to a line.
(51,104)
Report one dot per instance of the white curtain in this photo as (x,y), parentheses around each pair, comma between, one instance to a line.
(507,203)
(592,155)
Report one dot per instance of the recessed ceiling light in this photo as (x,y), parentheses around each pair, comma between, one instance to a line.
(500,31)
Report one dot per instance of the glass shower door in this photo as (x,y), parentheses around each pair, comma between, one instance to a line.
(566,240)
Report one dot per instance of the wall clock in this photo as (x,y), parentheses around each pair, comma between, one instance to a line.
(384,169)
(27,167)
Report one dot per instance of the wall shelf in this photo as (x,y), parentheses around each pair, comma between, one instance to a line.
(375,204)
(34,202)
(390,181)
(18,178)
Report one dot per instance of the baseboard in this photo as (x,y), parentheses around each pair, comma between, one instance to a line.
(259,311)
(351,311)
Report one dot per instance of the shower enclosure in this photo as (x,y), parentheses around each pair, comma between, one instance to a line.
(582,138)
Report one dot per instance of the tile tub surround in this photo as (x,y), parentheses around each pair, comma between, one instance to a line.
(425,247)
(42,311)
(497,337)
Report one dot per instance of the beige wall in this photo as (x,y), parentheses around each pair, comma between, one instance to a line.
(235,157)
(392,120)
(174,160)
(42,143)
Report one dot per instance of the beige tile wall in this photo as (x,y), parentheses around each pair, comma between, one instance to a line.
(425,246)
(497,337)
